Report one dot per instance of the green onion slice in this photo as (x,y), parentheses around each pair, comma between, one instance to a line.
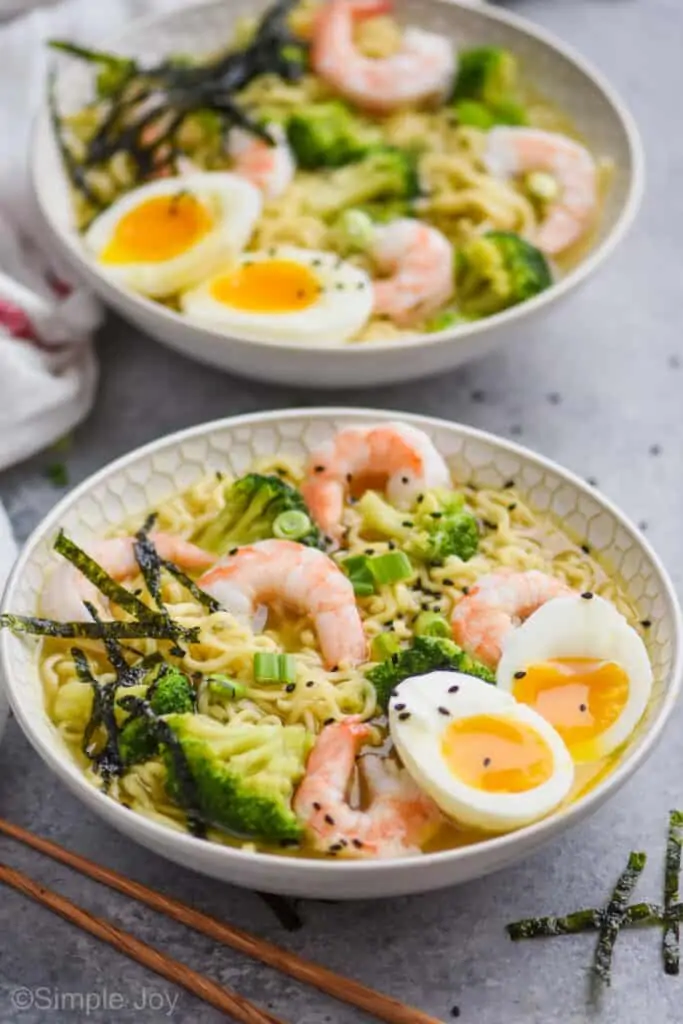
(391,568)
(291,525)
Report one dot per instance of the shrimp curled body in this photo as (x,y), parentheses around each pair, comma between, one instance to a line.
(398,820)
(483,619)
(394,455)
(422,69)
(514,151)
(269,168)
(419,260)
(67,589)
(282,571)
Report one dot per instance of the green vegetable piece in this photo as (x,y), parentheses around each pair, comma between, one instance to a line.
(474,114)
(225,688)
(392,567)
(252,506)
(357,568)
(169,691)
(244,775)
(426,654)
(437,528)
(509,112)
(292,525)
(386,173)
(486,73)
(274,668)
(498,270)
(352,232)
(432,624)
(384,645)
(329,135)
(541,186)
(447,318)
(614,915)
(58,474)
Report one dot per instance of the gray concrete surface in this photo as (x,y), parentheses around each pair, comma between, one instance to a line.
(599,389)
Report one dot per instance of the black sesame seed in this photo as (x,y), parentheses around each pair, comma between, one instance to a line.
(455,1012)
(489,525)
(520,674)
(655,449)
(232,551)
(290,687)
(349,477)
(407,523)
(310,683)
(420,498)
(465,591)
(394,658)
(329,721)
(316,806)
(317,262)
(436,515)
(642,525)
(404,716)
(583,707)
(219,475)
(453,689)
(336,847)
(447,582)
(585,548)
(392,545)
(399,707)
(318,469)
(508,485)
(487,762)
(369,551)
(405,479)
(444,711)
(646,623)
(592,481)
(357,843)
(329,819)
(512,507)
(587,595)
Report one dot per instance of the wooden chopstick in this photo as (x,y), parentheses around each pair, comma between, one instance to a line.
(223,999)
(345,989)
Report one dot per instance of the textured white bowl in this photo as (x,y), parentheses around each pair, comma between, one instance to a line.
(131,485)
(562,76)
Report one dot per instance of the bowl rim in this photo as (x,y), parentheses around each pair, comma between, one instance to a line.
(41,131)
(162,836)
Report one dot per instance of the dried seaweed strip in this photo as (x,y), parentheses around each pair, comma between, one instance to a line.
(672,870)
(614,915)
(156,628)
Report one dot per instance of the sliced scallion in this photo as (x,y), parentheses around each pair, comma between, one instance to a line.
(384,645)
(357,568)
(274,668)
(225,688)
(432,624)
(392,567)
(291,525)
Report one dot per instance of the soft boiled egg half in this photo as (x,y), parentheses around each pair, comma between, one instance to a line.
(488,761)
(284,294)
(171,234)
(578,663)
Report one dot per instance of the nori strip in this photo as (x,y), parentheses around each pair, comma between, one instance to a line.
(614,915)
(108,759)
(154,629)
(150,565)
(198,594)
(140,708)
(588,919)
(672,870)
(101,579)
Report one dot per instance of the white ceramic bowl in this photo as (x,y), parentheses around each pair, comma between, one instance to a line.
(133,484)
(559,74)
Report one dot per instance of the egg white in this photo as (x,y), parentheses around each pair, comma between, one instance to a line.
(235,206)
(583,627)
(339,312)
(418,741)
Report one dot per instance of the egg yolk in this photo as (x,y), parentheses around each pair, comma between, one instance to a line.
(158,229)
(580,697)
(496,754)
(268,286)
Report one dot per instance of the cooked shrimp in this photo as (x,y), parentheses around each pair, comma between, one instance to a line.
(422,69)
(269,168)
(67,588)
(514,151)
(399,818)
(394,455)
(419,260)
(496,604)
(301,578)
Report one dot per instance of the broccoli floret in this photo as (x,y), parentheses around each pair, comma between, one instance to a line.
(169,691)
(497,270)
(253,507)
(437,527)
(329,135)
(386,173)
(485,91)
(244,775)
(426,654)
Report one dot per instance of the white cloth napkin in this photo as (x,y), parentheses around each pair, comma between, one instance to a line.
(48,370)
